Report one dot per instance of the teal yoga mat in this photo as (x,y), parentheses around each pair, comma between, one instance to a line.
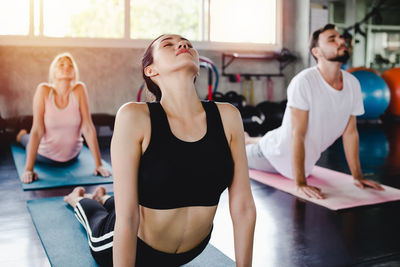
(80,172)
(65,241)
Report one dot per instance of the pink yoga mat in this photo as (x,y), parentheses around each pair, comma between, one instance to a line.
(338,188)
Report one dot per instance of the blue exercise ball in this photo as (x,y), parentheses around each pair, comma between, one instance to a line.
(373,148)
(375,92)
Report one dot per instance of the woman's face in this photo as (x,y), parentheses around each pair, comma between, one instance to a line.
(173,53)
(64,69)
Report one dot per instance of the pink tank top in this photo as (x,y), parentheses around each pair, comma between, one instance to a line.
(62,139)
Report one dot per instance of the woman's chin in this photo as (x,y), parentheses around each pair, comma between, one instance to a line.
(187,66)
(64,78)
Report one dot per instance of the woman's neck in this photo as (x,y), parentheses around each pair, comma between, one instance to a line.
(62,87)
(179,97)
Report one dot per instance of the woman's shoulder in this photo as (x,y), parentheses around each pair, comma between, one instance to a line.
(134,110)
(44,86)
(227,110)
(43,89)
(134,118)
(79,88)
(230,116)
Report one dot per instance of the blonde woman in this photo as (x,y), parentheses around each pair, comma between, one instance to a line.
(60,117)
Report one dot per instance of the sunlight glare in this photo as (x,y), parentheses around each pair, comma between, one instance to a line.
(58,13)
(241,21)
(14,17)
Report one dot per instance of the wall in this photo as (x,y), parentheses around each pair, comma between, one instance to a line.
(113,75)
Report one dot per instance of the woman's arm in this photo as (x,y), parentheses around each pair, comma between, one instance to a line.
(88,130)
(241,203)
(36,132)
(125,156)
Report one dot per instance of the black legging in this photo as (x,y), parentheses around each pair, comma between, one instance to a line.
(99,222)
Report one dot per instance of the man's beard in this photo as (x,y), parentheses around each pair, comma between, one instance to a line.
(342,59)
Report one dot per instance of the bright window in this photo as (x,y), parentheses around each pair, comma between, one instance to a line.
(237,21)
(150,19)
(213,23)
(14,17)
(83,18)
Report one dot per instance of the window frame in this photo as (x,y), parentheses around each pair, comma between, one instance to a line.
(126,42)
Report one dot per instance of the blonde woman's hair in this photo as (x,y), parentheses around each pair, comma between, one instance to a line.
(54,64)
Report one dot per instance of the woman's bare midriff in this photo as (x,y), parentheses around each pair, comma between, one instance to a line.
(175,230)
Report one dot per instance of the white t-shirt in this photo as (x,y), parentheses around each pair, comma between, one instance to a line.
(329,111)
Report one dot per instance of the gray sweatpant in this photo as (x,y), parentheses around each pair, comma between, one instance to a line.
(257,160)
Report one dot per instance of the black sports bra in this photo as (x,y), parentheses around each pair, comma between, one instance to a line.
(174,173)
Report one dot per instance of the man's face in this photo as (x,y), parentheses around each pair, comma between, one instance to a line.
(331,47)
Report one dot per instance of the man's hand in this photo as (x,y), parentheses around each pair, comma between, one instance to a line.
(310,191)
(363,183)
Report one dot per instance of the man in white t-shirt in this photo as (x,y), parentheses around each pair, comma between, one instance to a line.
(323,102)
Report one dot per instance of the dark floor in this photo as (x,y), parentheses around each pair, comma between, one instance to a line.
(289,231)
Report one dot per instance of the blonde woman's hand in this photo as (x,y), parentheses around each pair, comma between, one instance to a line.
(102,171)
(29,177)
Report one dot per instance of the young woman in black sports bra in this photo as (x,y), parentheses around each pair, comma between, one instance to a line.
(171,160)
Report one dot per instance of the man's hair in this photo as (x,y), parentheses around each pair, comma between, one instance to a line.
(315,36)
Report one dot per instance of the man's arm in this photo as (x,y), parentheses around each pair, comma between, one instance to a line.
(299,129)
(351,149)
